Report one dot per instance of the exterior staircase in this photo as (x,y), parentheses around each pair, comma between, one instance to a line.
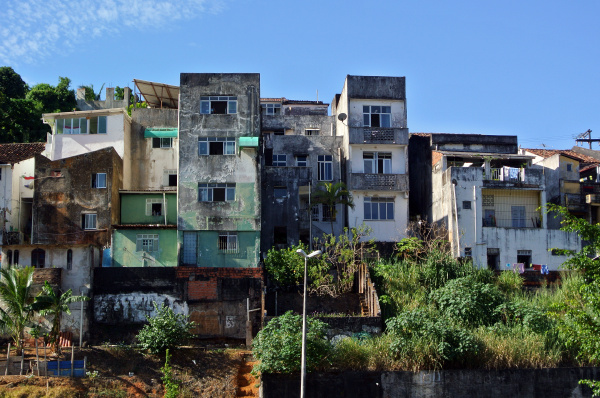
(247,384)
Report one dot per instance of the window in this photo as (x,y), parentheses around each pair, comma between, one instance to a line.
(569,167)
(325,165)
(379,208)
(524,256)
(228,242)
(271,109)
(328,213)
(69,259)
(468,252)
(170,178)
(315,213)
(218,105)
(190,244)
(466,205)
(10,257)
(302,160)
(16,257)
(280,192)
(162,142)
(38,258)
(489,219)
(377,116)
(146,243)
(154,207)
(82,125)
(280,160)
(311,132)
(518,216)
(98,180)
(280,237)
(377,162)
(216,192)
(88,221)
(216,146)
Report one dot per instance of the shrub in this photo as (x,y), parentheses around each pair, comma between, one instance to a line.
(278,346)
(468,302)
(509,282)
(164,330)
(518,312)
(286,268)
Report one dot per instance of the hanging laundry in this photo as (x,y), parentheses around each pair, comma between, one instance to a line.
(521,267)
(545,269)
(28,178)
(537,267)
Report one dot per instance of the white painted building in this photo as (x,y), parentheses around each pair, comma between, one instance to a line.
(371,116)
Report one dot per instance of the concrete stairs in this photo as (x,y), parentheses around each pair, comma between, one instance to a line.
(247,384)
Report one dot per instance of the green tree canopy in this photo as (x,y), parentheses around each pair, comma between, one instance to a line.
(11,83)
(330,195)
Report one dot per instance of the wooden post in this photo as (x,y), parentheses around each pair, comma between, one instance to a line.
(22,360)
(7,360)
(37,356)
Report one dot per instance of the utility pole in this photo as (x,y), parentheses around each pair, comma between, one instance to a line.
(589,140)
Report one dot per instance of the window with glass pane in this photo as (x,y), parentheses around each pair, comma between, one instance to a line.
(271,109)
(216,146)
(228,242)
(302,161)
(377,116)
(147,243)
(379,208)
(377,162)
(218,105)
(280,160)
(216,192)
(99,180)
(325,166)
(88,221)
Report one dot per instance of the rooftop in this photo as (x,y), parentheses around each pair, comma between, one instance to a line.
(15,153)
(546,153)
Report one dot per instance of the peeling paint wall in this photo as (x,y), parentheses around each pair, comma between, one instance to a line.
(133,307)
(134,208)
(242,214)
(125,254)
(64,192)
(151,165)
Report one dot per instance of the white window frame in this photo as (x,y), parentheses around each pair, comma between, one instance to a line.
(302,163)
(227,143)
(325,167)
(228,242)
(382,206)
(279,160)
(151,201)
(97,180)
(206,107)
(147,243)
(90,221)
(167,175)
(101,125)
(163,142)
(377,162)
(381,110)
(312,132)
(271,109)
(206,191)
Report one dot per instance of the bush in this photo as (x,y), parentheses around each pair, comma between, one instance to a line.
(286,268)
(164,330)
(278,346)
(510,282)
(518,312)
(424,340)
(468,302)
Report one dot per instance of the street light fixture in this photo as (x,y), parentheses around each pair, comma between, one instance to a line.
(303,355)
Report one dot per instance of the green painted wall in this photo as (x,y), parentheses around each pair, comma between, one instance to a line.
(210,256)
(124,248)
(133,209)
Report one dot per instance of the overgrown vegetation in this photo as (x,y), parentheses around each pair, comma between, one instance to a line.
(164,330)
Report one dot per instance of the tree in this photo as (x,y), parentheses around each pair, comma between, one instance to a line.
(52,302)
(330,195)
(582,318)
(48,98)
(11,83)
(16,309)
(164,330)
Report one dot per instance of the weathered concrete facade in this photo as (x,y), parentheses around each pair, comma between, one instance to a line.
(219,182)
(371,117)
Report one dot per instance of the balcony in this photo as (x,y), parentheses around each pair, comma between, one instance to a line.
(13,238)
(574,202)
(512,176)
(378,182)
(378,135)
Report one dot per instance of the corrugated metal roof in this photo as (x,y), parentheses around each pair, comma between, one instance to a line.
(158,95)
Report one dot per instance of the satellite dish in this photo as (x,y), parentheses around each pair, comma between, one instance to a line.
(342,117)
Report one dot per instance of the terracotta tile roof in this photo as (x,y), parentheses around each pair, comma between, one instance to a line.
(15,153)
(273,99)
(435,157)
(546,153)
(592,166)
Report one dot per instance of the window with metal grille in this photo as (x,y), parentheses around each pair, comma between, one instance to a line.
(146,243)
(228,242)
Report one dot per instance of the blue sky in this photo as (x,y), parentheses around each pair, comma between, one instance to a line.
(525,68)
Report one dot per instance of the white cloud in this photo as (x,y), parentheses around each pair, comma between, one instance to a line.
(33,29)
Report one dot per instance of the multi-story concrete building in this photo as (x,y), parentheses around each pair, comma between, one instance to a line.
(370,116)
(491,200)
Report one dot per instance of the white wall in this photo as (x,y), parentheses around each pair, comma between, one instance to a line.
(383,230)
(355,109)
(399,158)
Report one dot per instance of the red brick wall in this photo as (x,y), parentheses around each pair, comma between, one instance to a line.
(186,272)
(202,290)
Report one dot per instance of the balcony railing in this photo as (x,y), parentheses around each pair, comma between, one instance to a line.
(381,182)
(510,174)
(13,238)
(378,135)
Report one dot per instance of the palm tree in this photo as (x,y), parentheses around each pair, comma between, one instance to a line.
(16,309)
(331,195)
(53,303)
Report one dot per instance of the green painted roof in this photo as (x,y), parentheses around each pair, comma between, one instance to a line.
(160,133)
(248,142)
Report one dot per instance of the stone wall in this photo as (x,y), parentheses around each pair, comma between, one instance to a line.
(523,383)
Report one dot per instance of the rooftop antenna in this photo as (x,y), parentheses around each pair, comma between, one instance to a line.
(317,95)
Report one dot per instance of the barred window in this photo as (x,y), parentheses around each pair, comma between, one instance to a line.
(147,243)
(228,242)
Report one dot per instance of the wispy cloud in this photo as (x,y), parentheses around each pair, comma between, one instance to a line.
(35,29)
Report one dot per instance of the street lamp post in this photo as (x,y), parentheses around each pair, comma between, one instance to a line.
(303,355)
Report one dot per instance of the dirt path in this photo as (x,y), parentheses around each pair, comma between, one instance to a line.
(247,384)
